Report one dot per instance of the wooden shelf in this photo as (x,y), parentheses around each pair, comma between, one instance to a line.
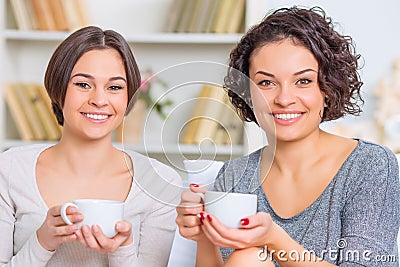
(152,38)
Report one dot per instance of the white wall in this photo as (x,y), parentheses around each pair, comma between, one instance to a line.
(375,28)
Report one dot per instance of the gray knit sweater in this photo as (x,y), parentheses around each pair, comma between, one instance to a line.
(354,222)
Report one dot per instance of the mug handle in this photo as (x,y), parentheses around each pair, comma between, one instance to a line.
(63,211)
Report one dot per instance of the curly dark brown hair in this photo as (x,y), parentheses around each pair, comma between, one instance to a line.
(338,76)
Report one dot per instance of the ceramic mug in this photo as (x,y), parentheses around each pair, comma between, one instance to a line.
(105,213)
(230,208)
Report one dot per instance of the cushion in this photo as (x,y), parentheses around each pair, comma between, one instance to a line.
(183,252)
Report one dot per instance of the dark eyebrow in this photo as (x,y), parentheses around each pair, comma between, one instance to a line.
(265,73)
(92,78)
(83,75)
(118,78)
(297,73)
(304,71)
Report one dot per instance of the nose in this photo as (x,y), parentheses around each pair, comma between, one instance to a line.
(285,96)
(98,98)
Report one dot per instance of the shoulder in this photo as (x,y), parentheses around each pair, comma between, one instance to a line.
(240,174)
(24,150)
(21,155)
(243,163)
(371,165)
(374,155)
(147,164)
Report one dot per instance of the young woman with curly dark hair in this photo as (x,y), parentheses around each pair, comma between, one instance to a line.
(323,200)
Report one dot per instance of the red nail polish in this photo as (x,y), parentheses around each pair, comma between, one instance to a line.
(194,185)
(244,221)
(201,217)
(209,218)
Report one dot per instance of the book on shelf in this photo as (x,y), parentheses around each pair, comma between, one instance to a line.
(203,123)
(17,113)
(33,20)
(185,16)
(46,118)
(223,15)
(74,14)
(42,11)
(57,11)
(236,20)
(49,15)
(21,15)
(191,126)
(30,112)
(211,15)
(230,127)
(174,15)
(46,99)
(206,16)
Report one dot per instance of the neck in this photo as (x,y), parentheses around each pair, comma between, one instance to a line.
(85,158)
(293,156)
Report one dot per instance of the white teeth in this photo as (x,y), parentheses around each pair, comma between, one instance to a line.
(287,116)
(96,116)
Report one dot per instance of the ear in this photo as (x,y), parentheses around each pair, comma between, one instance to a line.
(326,100)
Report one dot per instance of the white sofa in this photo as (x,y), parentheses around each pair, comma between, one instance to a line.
(183,253)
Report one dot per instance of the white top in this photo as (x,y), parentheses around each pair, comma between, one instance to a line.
(150,207)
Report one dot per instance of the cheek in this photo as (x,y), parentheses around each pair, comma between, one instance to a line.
(314,100)
(260,101)
(70,100)
(120,102)
(262,110)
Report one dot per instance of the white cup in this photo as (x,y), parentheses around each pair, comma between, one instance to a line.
(105,213)
(230,208)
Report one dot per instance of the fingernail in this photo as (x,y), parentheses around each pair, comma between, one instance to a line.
(95,228)
(244,221)
(85,229)
(194,185)
(201,217)
(209,218)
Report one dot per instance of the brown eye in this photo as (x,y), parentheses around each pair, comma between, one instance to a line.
(303,81)
(265,83)
(82,85)
(115,87)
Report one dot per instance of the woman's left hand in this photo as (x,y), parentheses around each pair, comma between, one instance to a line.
(95,239)
(255,232)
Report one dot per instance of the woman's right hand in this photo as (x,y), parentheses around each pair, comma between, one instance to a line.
(54,231)
(189,209)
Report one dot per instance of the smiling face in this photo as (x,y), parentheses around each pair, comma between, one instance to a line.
(97,95)
(285,75)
